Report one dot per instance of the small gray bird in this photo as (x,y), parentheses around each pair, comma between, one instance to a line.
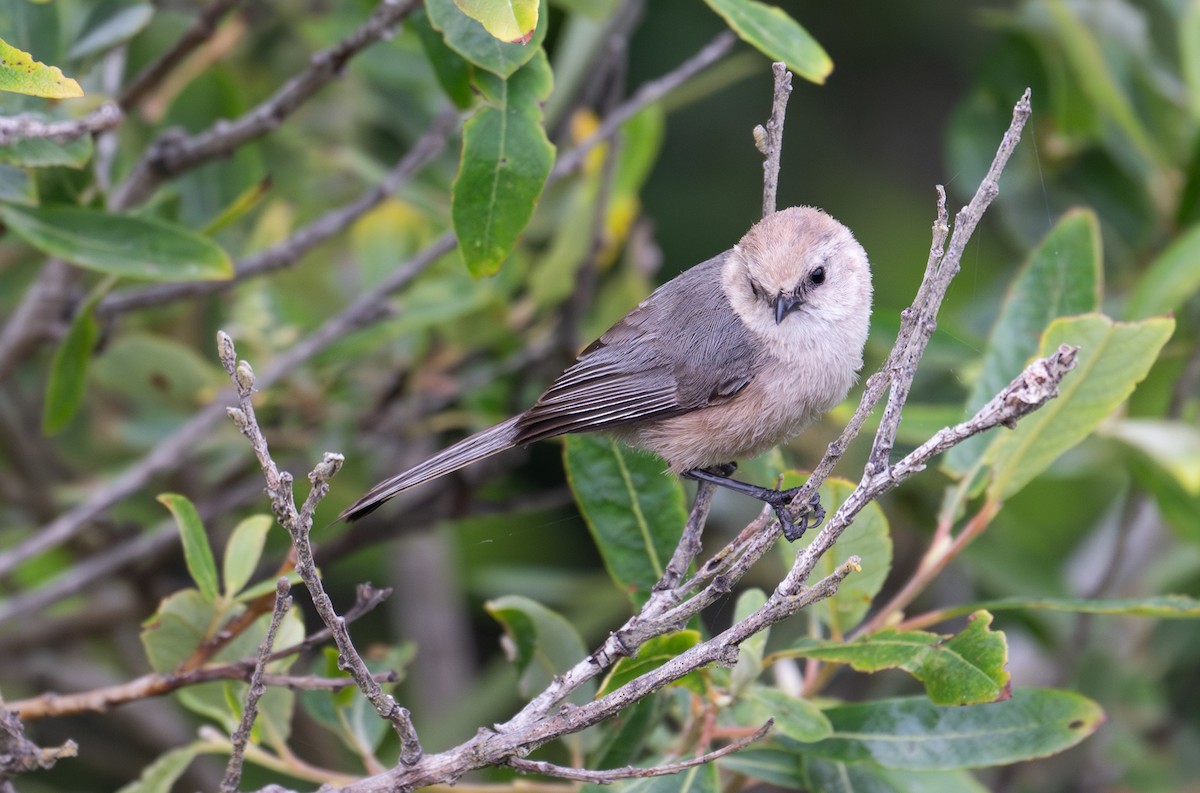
(728,359)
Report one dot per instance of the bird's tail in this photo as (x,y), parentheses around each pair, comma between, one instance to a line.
(482,444)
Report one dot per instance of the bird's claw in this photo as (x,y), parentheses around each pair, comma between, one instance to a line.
(810,518)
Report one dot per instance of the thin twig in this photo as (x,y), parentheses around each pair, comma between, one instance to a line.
(233,770)
(769,138)
(633,772)
(24,127)
(157,684)
(298,523)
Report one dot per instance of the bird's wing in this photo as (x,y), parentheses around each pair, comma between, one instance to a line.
(681,349)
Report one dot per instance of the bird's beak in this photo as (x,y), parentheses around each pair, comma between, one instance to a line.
(784,305)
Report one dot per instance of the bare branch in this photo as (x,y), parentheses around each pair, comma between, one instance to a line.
(19,755)
(158,684)
(233,771)
(633,772)
(23,127)
(769,138)
(298,523)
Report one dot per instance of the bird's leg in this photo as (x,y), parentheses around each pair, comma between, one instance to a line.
(778,499)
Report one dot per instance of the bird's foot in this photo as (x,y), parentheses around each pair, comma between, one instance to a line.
(810,517)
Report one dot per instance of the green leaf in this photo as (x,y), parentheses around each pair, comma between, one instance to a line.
(869,538)
(1112,359)
(1174,446)
(750,655)
(157,369)
(469,39)
(1170,280)
(775,34)
(771,763)
(914,734)
(1083,54)
(511,21)
(650,656)
(1062,276)
(68,374)
(1159,607)
(626,734)
(795,717)
(124,245)
(161,775)
(506,158)
(964,669)
(542,643)
(829,776)
(453,72)
(196,550)
(243,551)
(21,74)
(109,26)
(17,185)
(634,511)
(173,633)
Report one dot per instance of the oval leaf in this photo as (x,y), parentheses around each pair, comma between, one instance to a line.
(506,158)
(634,511)
(1173,278)
(21,74)
(914,734)
(1113,358)
(544,643)
(1062,277)
(196,550)
(161,775)
(512,21)
(795,717)
(650,656)
(775,34)
(964,669)
(124,245)
(469,39)
(68,375)
(243,551)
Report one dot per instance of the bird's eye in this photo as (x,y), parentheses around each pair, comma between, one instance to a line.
(817,276)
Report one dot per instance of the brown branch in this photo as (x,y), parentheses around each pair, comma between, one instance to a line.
(633,772)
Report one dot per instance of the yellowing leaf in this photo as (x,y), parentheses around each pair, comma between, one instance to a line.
(21,74)
(512,21)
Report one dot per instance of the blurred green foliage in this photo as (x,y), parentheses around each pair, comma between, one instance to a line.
(1089,511)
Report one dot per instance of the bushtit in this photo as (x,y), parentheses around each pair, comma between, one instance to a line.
(728,359)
